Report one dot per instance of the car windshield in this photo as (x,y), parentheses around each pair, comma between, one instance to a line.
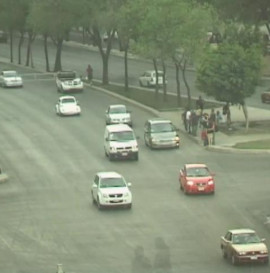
(162,127)
(197,172)
(245,238)
(10,74)
(122,136)
(118,110)
(112,182)
(68,100)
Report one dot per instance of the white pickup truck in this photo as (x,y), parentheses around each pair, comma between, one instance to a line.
(68,81)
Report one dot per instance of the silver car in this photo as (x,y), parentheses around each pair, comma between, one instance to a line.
(161,133)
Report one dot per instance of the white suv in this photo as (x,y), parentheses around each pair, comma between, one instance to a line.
(120,142)
(111,189)
(148,78)
(118,113)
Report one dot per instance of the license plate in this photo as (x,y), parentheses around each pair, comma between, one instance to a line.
(200,188)
(124,154)
(254,258)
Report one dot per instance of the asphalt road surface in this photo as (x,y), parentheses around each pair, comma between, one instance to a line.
(46,211)
(76,56)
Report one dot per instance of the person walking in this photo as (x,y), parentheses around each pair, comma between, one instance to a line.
(89,73)
(184,119)
(188,120)
(200,103)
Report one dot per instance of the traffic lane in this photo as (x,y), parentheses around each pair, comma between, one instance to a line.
(77,58)
(47,212)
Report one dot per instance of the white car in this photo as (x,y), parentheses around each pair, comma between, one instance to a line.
(10,78)
(111,189)
(148,78)
(67,106)
(68,81)
(118,113)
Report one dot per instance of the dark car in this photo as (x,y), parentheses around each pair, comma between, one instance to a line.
(265,97)
(161,133)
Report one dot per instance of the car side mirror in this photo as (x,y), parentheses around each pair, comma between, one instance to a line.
(106,138)
(129,184)
(94,185)
(263,240)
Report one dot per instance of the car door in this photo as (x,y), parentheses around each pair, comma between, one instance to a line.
(183,177)
(226,243)
(95,187)
(147,133)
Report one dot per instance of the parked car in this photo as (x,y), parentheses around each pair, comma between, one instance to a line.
(243,246)
(118,113)
(120,142)
(110,189)
(148,78)
(68,81)
(161,133)
(196,179)
(3,36)
(67,106)
(265,97)
(10,78)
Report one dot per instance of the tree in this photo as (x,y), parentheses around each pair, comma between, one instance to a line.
(55,18)
(99,18)
(230,73)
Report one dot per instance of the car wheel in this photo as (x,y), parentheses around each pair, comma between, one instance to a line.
(141,84)
(100,207)
(93,199)
(148,84)
(224,253)
(129,206)
(136,156)
(110,157)
(185,191)
(181,187)
(233,260)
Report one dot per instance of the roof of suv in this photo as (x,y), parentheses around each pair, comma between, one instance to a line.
(108,174)
(118,128)
(159,120)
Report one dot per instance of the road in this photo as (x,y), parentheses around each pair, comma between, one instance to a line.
(47,216)
(76,56)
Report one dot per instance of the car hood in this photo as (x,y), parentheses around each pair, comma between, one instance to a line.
(114,190)
(9,79)
(123,144)
(164,135)
(250,247)
(119,116)
(200,179)
(69,106)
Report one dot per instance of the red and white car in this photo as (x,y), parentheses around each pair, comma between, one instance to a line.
(196,179)
(243,246)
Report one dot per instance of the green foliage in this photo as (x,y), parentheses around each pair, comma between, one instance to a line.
(229,72)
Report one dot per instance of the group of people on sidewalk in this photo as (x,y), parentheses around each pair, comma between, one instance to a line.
(208,123)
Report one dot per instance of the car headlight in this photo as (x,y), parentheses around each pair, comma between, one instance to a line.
(177,139)
(190,183)
(135,147)
(242,253)
(154,140)
(263,251)
(126,194)
(211,182)
(105,195)
(113,149)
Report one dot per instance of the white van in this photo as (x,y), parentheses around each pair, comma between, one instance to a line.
(120,142)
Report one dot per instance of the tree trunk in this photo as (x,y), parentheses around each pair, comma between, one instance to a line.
(46,52)
(178,90)
(244,107)
(183,67)
(11,45)
(19,48)
(29,56)
(164,85)
(156,69)
(126,68)
(58,64)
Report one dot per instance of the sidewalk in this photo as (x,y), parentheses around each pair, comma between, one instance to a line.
(223,141)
